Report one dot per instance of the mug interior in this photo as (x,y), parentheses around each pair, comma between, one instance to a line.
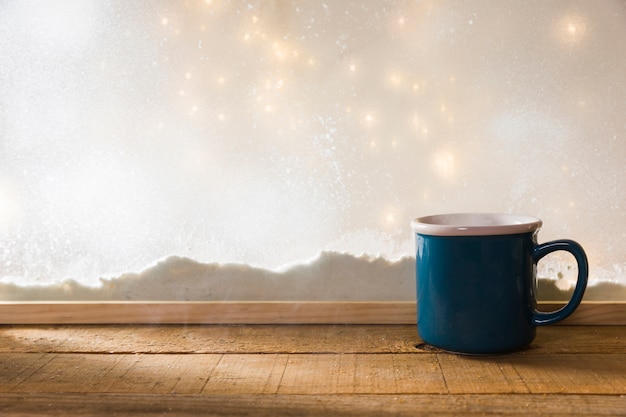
(475,224)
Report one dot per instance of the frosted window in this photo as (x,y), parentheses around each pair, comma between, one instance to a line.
(146,144)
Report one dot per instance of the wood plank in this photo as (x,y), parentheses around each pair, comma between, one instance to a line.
(480,375)
(323,374)
(67,373)
(16,368)
(209,338)
(398,374)
(572,373)
(160,374)
(316,374)
(302,370)
(246,374)
(276,339)
(539,374)
(104,405)
(207,312)
(302,312)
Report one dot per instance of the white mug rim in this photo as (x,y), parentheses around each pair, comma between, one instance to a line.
(475,224)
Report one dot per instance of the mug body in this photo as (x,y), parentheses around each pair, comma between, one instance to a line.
(476,285)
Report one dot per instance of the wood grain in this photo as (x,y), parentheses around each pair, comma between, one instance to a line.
(268,339)
(105,405)
(302,370)
(312,312)
(315,374)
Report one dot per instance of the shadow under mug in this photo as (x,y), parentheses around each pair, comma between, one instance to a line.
(476,281)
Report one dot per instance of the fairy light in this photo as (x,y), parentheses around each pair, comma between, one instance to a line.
(444,164)
(395,79)
(571,29)
(279,51)
(262,73)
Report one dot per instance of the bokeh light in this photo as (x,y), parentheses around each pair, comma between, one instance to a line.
(265,132)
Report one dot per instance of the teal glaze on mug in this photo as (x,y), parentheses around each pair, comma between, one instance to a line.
(476,281)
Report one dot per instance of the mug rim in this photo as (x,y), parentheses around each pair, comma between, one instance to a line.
(475,224)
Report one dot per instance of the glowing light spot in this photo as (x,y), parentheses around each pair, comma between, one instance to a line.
(415,87)
(391,217)
(571,29)
(221,117)
(352,67)
(395,79)
(164,21)
(444,164)
(188,75)
(221,80)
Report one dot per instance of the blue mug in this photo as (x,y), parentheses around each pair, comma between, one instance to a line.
(476,281)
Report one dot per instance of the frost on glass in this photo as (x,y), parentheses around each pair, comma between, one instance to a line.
(279,149)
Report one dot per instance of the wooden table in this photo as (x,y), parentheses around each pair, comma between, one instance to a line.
(302,370)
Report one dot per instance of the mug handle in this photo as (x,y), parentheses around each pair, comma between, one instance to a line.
(542,319)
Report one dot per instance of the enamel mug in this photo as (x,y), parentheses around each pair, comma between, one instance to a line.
(476,281)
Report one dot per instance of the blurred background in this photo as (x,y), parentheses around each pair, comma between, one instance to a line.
(265,132)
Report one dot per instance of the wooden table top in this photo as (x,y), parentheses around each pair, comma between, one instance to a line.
(302,370)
